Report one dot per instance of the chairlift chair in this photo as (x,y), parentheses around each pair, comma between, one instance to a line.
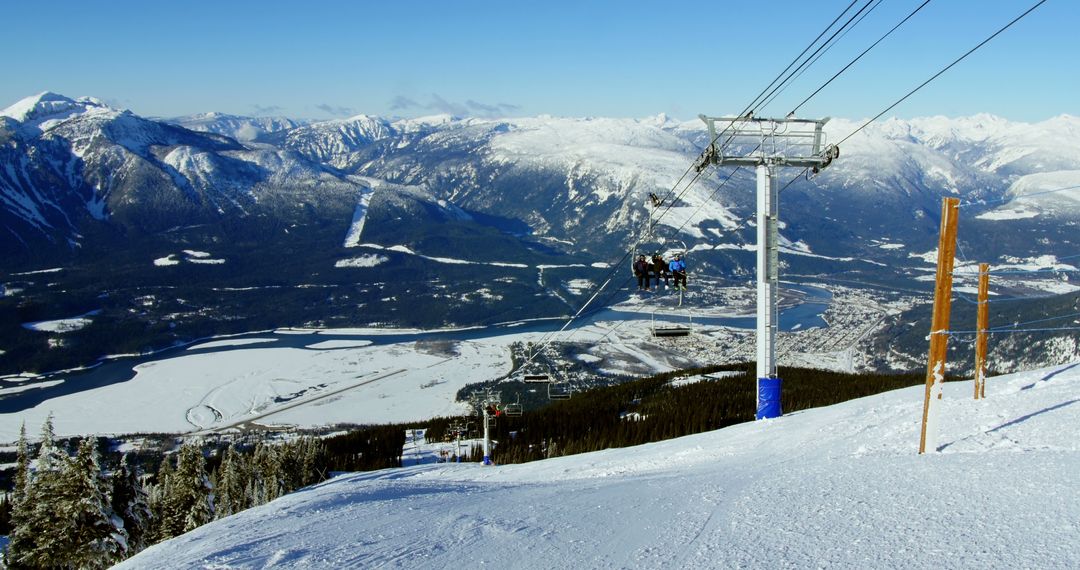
(559,391)
(674,330)
(559,388)
(514,409)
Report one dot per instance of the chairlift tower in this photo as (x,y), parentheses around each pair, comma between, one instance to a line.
(457,427)
(482,401)
(767,144)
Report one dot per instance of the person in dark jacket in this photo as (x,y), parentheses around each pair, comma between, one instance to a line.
(641,271)
(678,271)
(660,269)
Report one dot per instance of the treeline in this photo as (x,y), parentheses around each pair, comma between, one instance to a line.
(69,511)
(652,409)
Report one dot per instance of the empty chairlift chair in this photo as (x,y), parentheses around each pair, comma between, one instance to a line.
(559,390)
(513,410)
(673,329)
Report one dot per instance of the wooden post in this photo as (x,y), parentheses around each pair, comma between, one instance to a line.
(939,337)
(981,326)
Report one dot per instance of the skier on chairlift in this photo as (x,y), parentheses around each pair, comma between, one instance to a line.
(641,271)
(678,271)
(660,269)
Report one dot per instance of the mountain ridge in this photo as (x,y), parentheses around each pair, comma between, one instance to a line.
(86,185)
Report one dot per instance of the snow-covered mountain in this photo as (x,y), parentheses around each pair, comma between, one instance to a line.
(836,487)
(247,129)
(581,182)
(79,178)
(72,166)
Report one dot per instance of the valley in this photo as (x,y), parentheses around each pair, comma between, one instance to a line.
(140,240)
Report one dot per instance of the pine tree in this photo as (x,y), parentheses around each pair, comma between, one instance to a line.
(44,525)
(97,537)
(189,499)
(233,479)
(20,539)
(266,471)
(158,494)
(310,449)
(131,502)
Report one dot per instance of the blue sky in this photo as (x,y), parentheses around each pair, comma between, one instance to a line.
(319,59)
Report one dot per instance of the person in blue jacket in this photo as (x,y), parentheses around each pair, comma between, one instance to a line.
(678,271)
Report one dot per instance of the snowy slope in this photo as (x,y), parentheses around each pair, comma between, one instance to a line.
(837,487)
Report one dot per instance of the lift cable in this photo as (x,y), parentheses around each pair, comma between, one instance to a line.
(1039,193)
(761,95)
(824,49)
(946,68)
(924,84)
(546,339)
(857,58)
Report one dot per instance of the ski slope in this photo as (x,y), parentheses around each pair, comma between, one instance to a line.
(836,487)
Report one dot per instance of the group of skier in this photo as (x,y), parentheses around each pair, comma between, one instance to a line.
(647,270)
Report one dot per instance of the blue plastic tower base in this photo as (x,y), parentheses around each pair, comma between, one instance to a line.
(487,460)
(768,399)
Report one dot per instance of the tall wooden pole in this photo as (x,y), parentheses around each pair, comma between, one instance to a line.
(981,325)
(939,337)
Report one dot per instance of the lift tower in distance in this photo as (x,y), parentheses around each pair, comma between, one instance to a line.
(767,144)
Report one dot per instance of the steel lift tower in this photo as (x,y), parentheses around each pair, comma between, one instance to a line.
(767,144)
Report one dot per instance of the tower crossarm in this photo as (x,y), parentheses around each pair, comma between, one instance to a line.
(753,141)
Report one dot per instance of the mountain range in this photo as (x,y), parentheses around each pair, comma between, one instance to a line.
(491,218)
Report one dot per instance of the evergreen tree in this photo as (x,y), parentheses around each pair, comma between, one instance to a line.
(44,525)
(44,497)
(20,540)
(158,494)
(310,450)
(189,499)
(232,484)
(97,538)
(266,472)
(5,514)
(131,502)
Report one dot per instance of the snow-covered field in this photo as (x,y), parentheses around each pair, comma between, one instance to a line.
(836,487)
(224,383)
(314,378)
(337,381)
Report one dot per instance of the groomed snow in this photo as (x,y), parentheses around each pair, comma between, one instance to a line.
(836,487)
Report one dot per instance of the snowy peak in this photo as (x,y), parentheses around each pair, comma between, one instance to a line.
(48,105)
(235,126)
(335,142)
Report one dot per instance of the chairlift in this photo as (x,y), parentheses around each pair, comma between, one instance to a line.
(534,376)
(673,330)
(514,409)
(559,390)
(666,249)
